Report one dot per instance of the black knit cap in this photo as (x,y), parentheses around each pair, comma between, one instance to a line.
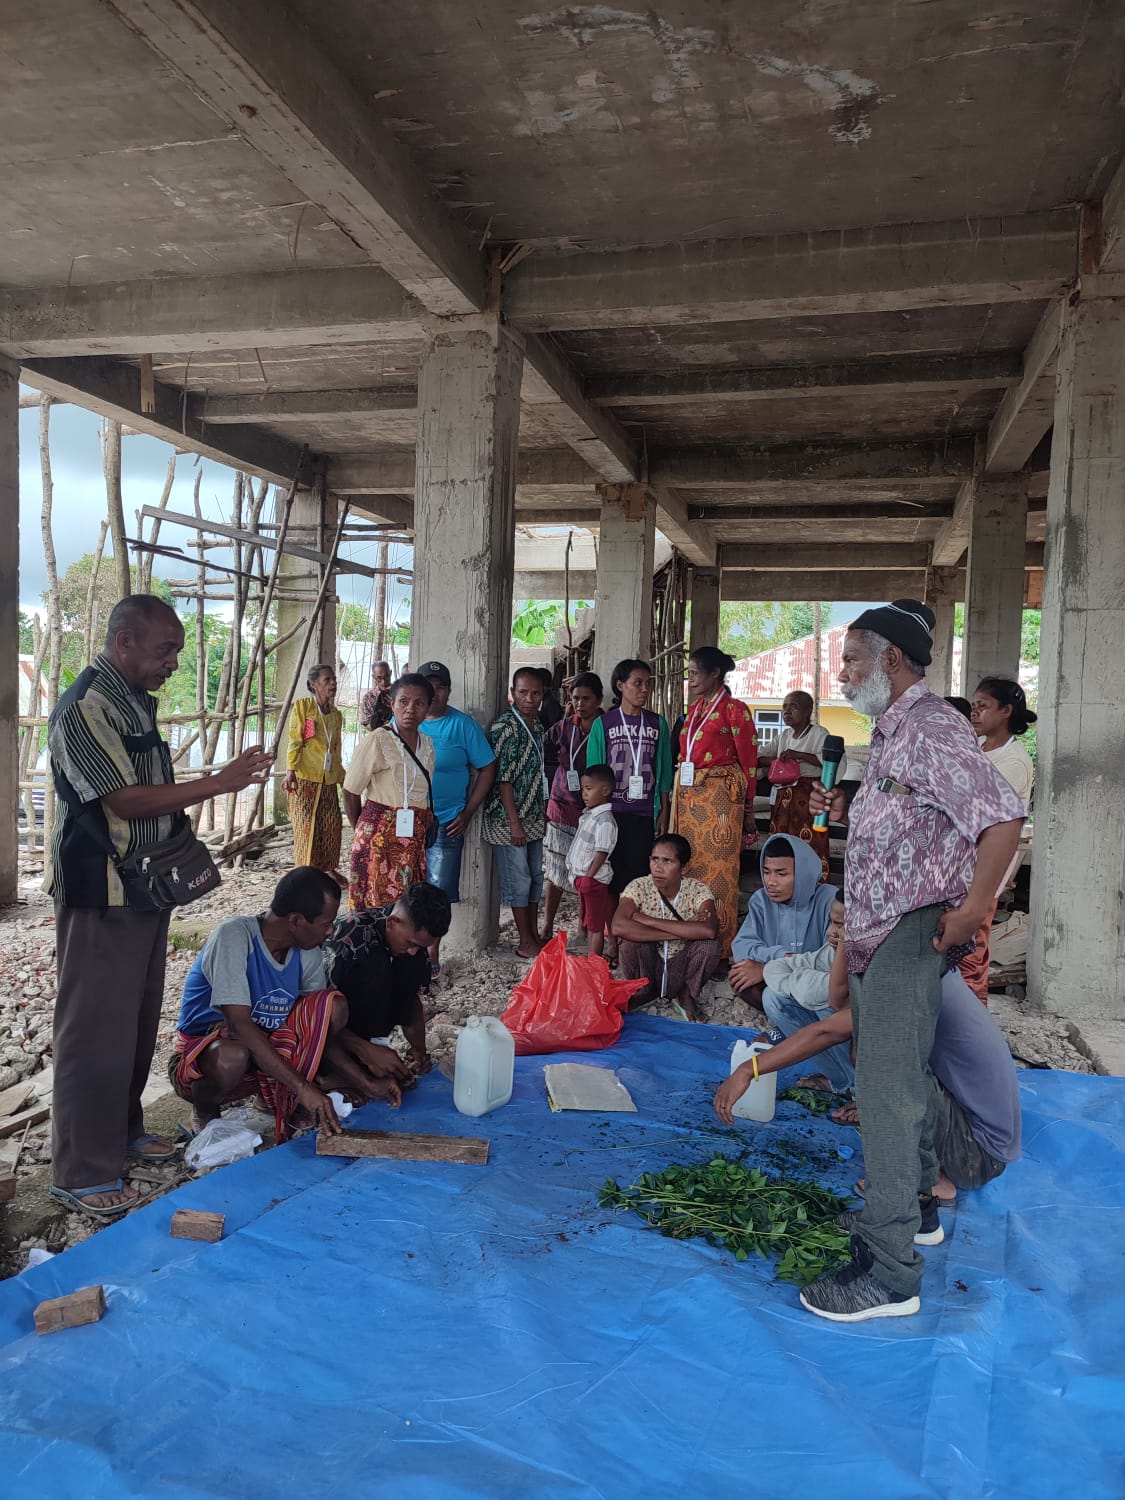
(906,623)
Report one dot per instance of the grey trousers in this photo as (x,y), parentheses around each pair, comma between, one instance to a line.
(895,1006)
(110,991)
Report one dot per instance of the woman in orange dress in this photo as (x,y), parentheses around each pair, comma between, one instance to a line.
(713,790)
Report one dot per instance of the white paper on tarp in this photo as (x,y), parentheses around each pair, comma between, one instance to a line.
(577,1086)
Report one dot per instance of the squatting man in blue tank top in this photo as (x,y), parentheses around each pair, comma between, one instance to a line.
(258,1017)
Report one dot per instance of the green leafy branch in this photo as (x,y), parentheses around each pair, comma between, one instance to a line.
(740,1209)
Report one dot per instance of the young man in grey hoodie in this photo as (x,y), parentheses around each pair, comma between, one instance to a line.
(796,995)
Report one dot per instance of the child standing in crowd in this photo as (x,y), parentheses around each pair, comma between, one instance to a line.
(587,861)
(788,915)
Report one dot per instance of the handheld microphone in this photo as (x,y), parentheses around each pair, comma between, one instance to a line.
(831,754)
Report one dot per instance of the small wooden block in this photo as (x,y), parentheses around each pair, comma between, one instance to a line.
(15,1098)
(33,1116)
(397,1145)
(71,1311)
(194,1224)
(9,1152)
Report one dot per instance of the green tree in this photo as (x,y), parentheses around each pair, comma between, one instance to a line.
(353,623)
(27,642)
(535,624)
(748,627)
(802,621)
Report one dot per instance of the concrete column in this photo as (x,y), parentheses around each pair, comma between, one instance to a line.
(1077,960)
(299,584)
(464,550)
(9,625)
(995,584)
(943,589)
(623,602)
(704,625)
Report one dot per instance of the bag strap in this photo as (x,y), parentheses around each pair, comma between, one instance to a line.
(417,762)
(670,907)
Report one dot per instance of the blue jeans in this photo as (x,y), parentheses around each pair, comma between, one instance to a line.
(836,1062)
(520,872)
(443,863)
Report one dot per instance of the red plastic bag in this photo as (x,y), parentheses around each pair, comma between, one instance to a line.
(568,1003)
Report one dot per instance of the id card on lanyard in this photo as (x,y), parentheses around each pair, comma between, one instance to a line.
(687,766)
(636,789)
(573,779)
(404,817)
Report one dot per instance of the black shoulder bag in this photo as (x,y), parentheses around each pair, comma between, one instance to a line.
(433,830)
(173,872)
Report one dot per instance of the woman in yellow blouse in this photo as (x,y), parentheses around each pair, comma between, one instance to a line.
(389,800)
(315,768)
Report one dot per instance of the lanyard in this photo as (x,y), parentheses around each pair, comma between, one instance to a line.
(574,754)
(538,748)
(637,749)
(327,736)
(403,752)
(699,721)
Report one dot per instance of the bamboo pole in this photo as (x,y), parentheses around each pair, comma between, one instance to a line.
(259,637)
(314,619)
(144,560)
(92,595)
(111,465)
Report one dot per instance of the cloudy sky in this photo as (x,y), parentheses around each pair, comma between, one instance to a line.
(79,505)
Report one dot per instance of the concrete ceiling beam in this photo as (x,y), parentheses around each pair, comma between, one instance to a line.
(397,509)
(845,513)
(112,388)
(894,268)
(186,315)
(932,374)
(862,556)
(1027,410)
(719,468)
(953,538)
(558,516)
(553,390)
(263,73)
(299,406)
(766,586)
(552,585)
(392,471)
(694,539)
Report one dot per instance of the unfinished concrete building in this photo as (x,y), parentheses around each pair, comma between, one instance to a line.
(832,297)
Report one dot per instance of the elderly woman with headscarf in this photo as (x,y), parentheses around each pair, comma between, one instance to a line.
(314,769)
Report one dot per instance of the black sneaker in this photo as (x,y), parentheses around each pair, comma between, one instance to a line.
(853,1295)
(930,1231)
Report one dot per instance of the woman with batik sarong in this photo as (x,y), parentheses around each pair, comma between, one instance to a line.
(314,769)
(388,798)
(713,789)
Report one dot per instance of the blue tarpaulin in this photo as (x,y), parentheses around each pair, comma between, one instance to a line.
(440,1332)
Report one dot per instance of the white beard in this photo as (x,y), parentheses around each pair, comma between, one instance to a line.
(872,696)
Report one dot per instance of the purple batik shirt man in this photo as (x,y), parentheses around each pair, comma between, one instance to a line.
(927,796)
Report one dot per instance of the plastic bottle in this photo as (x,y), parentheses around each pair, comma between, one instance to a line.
(485,1066)
(757,1103)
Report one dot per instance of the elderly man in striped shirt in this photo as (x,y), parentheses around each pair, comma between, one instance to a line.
(113,773)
